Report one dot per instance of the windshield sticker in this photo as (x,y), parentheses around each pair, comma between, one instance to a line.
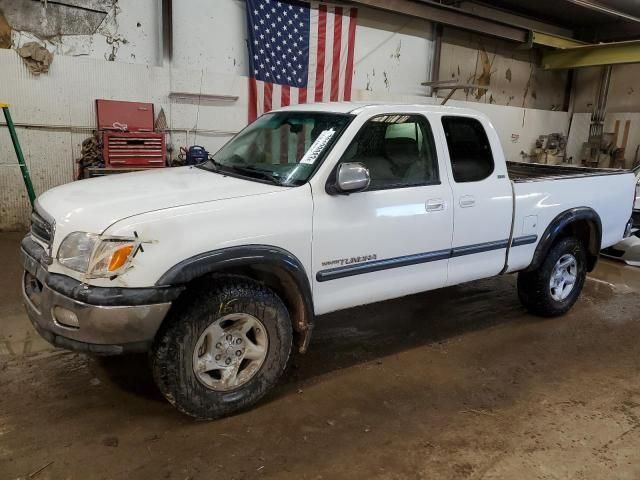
(318,146)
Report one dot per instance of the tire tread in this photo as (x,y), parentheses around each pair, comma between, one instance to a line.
(167,356)
(533,286)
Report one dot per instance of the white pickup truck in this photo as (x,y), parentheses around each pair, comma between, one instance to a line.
(219,270)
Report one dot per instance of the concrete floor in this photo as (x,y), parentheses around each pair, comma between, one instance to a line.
(458,383)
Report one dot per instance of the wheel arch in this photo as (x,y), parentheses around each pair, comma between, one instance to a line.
(277,268)
(582,222)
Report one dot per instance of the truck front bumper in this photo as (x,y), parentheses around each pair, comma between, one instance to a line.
(101,320)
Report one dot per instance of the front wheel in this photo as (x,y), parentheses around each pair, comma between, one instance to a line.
(554,287)
(222,348)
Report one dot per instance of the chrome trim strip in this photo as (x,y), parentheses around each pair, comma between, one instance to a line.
(526,240)
(418,258)
(377,265)
(479,248)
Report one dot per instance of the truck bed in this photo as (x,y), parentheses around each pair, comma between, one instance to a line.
(531,172)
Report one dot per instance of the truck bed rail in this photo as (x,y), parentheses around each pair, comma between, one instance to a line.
(531,172)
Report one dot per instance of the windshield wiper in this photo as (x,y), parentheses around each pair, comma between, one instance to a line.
(210,165)
(216,165)
(255,173)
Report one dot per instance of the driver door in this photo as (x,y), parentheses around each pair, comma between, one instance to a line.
(394,238)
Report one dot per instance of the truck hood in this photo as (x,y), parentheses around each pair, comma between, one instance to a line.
(94,204)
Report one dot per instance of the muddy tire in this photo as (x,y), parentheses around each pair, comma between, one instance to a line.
(222,348)
(554,287)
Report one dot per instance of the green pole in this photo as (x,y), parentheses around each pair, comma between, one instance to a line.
(18,149)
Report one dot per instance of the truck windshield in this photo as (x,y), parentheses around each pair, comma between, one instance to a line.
(282,148)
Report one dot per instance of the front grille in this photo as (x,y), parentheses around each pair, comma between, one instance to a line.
(41,228)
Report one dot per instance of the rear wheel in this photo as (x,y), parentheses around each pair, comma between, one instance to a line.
(223,348)
(554,287)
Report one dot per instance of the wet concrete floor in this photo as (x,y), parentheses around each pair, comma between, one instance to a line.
(457,383)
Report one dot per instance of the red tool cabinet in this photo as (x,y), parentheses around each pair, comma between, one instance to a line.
(134,149)
(127,134)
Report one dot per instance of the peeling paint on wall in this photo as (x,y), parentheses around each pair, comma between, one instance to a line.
(5,32)
(396,55)
(507,75)
(528,85)
(109,29)
(86,27)
(484,78)
(49,20)
(392,53)
(36,57)
(115,41)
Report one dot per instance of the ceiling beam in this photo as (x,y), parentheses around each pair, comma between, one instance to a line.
(604,9)
(611,32)
(554,41)
(455,17)
(592,55)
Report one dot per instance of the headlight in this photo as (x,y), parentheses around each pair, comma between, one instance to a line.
(87,253)
(76,249)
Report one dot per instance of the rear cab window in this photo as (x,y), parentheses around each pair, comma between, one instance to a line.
(469,149)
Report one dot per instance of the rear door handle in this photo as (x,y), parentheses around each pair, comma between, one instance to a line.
(467,201)
(435,205)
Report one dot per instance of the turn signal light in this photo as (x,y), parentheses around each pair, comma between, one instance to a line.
(119,257)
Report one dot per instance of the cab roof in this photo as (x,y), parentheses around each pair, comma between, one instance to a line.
(356,108)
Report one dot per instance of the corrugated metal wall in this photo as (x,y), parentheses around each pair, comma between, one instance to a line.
(60,109)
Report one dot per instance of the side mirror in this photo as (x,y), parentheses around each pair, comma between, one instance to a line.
(352,177)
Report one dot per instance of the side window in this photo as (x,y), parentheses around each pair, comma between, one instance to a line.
(398,150)
(469,149)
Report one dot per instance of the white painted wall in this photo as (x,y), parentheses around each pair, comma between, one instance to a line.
(209,58)
(210,34)
(393,54)
(578,134)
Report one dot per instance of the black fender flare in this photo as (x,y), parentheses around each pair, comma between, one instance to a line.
(246,256)
(559,224)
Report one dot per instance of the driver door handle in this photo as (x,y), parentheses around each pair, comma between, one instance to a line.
(435,205)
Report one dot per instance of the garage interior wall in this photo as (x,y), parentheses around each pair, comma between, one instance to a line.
(623,104)
(125,58)
(510,76)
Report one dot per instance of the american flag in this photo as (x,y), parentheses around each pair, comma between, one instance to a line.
(298,52)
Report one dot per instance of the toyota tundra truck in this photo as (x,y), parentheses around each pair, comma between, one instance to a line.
(219,270)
